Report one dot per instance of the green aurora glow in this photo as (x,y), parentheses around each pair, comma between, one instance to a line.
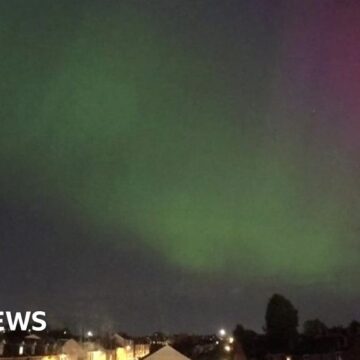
(131,128)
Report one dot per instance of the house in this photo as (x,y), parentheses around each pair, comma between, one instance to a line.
(166,353)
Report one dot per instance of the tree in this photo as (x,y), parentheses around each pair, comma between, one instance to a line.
(354,327)
(246,339)
(281,322)
(314,328)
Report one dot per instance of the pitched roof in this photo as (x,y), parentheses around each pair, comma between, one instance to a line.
(167,353)
(32,337)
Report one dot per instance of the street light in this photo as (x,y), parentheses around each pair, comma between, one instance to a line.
(89,334)
(231,340)
(222,332)
(227,348)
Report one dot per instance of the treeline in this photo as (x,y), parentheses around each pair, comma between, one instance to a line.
(282,335)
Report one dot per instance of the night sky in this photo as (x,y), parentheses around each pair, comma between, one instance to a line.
(169,165)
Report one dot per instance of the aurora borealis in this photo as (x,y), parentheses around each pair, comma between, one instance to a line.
(201,146)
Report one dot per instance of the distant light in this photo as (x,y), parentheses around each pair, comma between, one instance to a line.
(21,350)
(217,343)
(288,358)
(222,332)
(231,340)
(128,347)
(90,334)
(64,332)
(227,348)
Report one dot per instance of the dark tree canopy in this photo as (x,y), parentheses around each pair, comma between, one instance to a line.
(281,318)
(314,328)
(248,341)
(354,327)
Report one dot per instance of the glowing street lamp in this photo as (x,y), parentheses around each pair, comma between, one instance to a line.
(89,334)
(231,340)
(222,332)
(227,348)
